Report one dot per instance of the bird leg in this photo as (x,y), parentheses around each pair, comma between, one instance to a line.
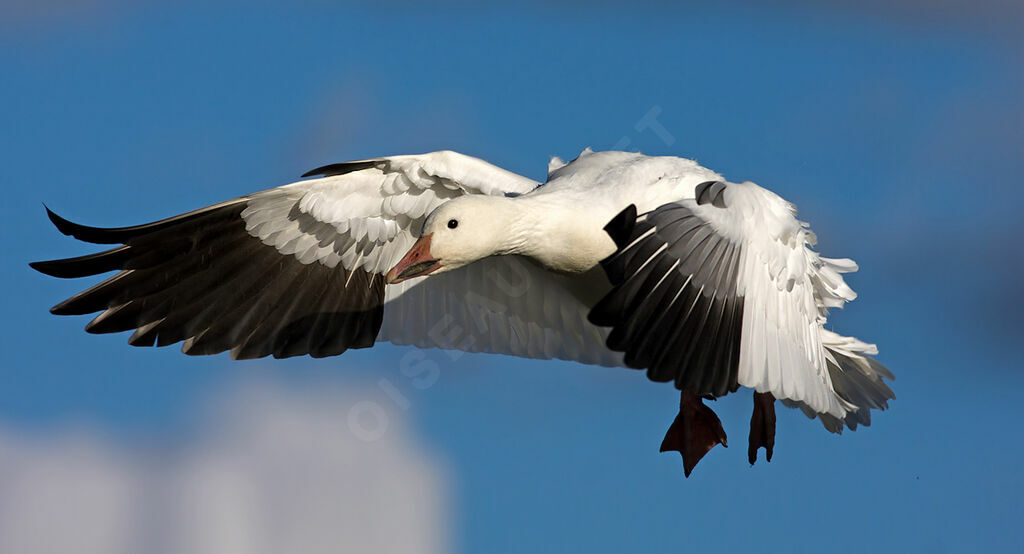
(695,431)
(762,426)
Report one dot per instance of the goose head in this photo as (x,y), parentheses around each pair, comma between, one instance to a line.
(456,233)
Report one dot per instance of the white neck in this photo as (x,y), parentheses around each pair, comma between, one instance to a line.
(562,237)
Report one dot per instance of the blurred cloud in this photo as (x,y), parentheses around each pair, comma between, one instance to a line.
(271,469)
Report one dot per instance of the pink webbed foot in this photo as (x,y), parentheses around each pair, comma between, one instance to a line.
(695,431)
(762,426)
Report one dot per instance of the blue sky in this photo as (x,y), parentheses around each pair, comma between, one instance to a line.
(899,134)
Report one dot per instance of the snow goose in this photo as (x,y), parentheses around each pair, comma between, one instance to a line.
(619,259)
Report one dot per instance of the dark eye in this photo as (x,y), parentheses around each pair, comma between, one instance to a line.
(453,223)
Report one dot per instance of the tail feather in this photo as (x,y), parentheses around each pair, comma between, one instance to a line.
(856,377)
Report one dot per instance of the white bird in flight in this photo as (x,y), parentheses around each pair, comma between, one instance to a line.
(618,259)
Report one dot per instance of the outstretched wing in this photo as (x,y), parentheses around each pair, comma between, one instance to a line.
(299,270)
(721,290)
(675,308)
(288,271)
(202,279)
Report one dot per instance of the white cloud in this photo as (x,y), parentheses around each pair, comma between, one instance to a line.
(273,469)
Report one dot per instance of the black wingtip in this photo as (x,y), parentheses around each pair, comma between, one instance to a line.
(95,235)
(64,226)
(620,228)
(342,168)
(84,266)
(44,267)
(66,308)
